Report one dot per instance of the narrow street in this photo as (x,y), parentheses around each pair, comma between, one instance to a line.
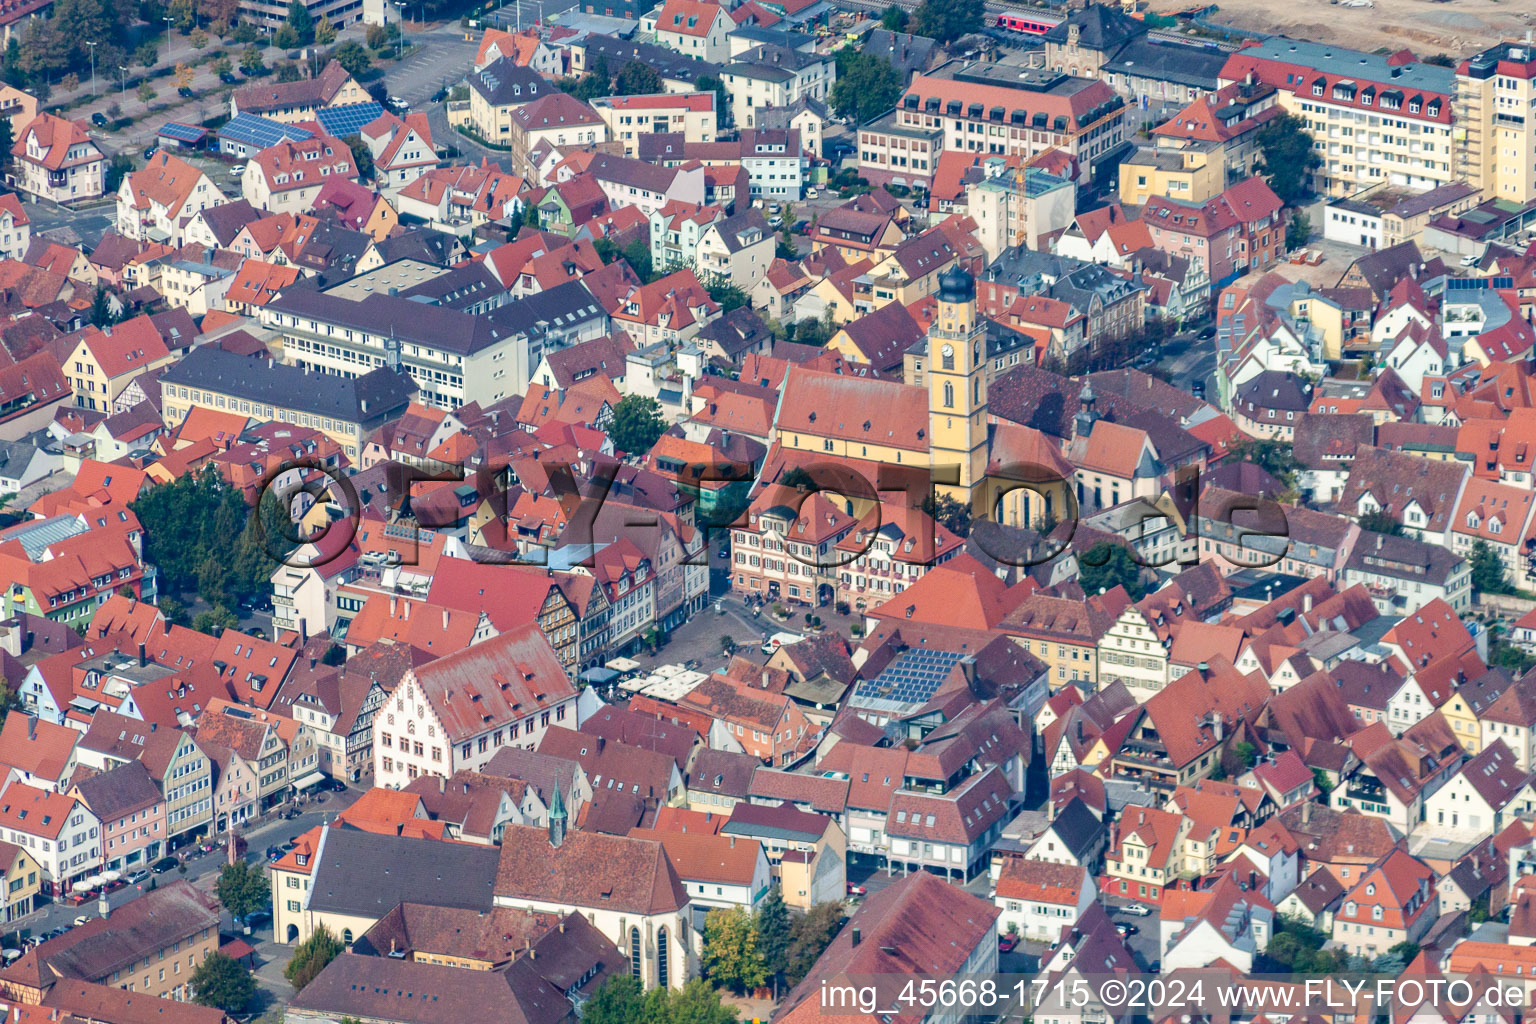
(202,868)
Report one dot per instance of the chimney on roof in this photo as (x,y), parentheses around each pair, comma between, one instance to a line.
(445,618)
(857,935)
(31,727)
(1306,812)
(143,659)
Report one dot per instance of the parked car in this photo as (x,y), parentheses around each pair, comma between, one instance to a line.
(150,152)
(338,785)
(857,890)
(440,95)
(82,919)
(811,193)
(164,864)
(399,104)
(1005,943)
(137,877)
(1137,909)
(238,170)
(99,119)
(184,90)
(274,852)
(10,955)
(801,227)
(1126,929)
(227,78)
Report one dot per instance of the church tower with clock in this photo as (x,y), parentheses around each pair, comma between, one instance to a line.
(957,386)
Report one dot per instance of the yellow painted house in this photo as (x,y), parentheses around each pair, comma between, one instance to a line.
(21,882)
(1190,175)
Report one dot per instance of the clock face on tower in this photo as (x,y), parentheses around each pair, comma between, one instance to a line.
(948,351)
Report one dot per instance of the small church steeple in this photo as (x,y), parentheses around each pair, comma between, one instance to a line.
(1087,415)
(557,819)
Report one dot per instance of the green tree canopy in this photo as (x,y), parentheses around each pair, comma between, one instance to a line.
(202,536)
(1298,231)
(310,957)
(101,310)
(809,937)
(947,20)
(1105,566)
(731,956)
(772,923)
(636,425)
(353,57)
(362,156)
(867,86)
(1286,157)
(730,296)
(220,981)
(619,1000)
(1488,573)
(894,19)
(1381,521)
(637,78)
(243,889)
(325,32)
(638,255)
(301,20)
(1276,458)
(725,118)
(250,60)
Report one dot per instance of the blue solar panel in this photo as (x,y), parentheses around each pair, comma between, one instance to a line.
(348,120)
(261,132)
(182,132)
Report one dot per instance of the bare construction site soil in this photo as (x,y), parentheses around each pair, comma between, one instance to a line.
(1457,27)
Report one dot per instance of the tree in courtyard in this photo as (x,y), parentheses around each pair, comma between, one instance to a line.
(1286,157)
(636,424)
(1105,566)
(947,20)
(310,957)
(867,86)
(731,956)
(1488,573)
(221,982)
(242,890)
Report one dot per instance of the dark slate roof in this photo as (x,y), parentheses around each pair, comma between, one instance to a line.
(439,327)
(908,54)
(120,792)
(426,244)
(723,773)
(1078,827)
(364,874)
(362,399)
(1099,28)
(737,331)
(668,63)
(387,988)
(226,219)
(504,82)
(1199,66)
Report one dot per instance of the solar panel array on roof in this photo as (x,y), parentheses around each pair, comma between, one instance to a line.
(349,119)
(261,132)
(182,132)
(912,678)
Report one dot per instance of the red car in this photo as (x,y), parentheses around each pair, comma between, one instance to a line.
(1005,943)
(856,890)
